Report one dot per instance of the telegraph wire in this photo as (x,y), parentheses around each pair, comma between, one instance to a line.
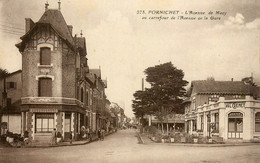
(11,33)
(7,30)
(12,27)
(10,23)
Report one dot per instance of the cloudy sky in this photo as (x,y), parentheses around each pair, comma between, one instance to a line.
(124,45)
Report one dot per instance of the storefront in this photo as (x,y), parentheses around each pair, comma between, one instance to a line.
(41,120)
(237,119)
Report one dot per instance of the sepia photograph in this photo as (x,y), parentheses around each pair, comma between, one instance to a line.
(129,81)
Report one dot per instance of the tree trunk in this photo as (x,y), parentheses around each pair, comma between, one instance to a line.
(142,124)
(162,128)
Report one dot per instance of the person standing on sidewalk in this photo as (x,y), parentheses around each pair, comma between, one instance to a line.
(99,134)
(53,138)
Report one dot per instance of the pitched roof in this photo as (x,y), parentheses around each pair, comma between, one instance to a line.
(257,92)
(96,71)
(13,73)
(55,18)
(90,77)
(220,87)
(81,44)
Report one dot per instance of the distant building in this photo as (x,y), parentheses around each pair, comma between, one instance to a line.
(228,109)
(10,97)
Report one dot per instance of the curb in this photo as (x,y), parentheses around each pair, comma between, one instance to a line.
(199,145)
(63,145)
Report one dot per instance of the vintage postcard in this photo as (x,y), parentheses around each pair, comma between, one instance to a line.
(130,81)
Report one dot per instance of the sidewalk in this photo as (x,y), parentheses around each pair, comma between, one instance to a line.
(61,144)
(148,141)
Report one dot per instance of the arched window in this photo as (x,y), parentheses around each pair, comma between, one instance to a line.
(45,56)
(45,87)
(257,122)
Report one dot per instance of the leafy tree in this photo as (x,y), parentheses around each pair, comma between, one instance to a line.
(210,78)
(248,80)
(167,90)
(141,104)
(3,74)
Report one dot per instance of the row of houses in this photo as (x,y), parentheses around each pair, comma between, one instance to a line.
(55,88)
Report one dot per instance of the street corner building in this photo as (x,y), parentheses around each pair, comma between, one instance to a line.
(58,89)
(223,110)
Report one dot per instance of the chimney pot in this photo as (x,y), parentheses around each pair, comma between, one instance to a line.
(59,3)
(232,79)
(28,24)
(46,6)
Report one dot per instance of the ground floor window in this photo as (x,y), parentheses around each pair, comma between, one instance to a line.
(235,122)
(257,122)
(194,125)
(44,122)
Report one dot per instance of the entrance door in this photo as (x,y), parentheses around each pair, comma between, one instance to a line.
(67,127)
(235,125)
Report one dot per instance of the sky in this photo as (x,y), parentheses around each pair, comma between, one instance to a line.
(124,45)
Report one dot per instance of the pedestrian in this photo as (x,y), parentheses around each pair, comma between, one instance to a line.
(70,137)
(54,135)
(87,132)
(102,134)
(99,134)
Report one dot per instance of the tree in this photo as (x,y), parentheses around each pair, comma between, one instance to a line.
(248,80)
(210,78)
(3,74)
(167,90)
(141,104)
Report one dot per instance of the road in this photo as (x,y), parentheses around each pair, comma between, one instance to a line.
(123,147)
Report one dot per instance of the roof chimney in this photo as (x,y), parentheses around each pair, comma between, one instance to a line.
(28,24)
(46,6)
(59,4)
(70,28)
(81,34)
(231,79)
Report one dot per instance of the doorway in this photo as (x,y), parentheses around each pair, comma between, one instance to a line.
(235,125)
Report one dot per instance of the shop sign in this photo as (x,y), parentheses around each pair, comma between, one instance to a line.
(43,110)
(235,115)
(45,116)
(235,105)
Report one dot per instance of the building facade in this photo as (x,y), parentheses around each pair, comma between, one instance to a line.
(228,109)
(10,97)
(53,63)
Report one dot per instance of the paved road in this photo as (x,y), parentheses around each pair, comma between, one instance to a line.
(123,147)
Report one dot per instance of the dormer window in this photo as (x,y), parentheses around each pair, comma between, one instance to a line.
(45,56)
